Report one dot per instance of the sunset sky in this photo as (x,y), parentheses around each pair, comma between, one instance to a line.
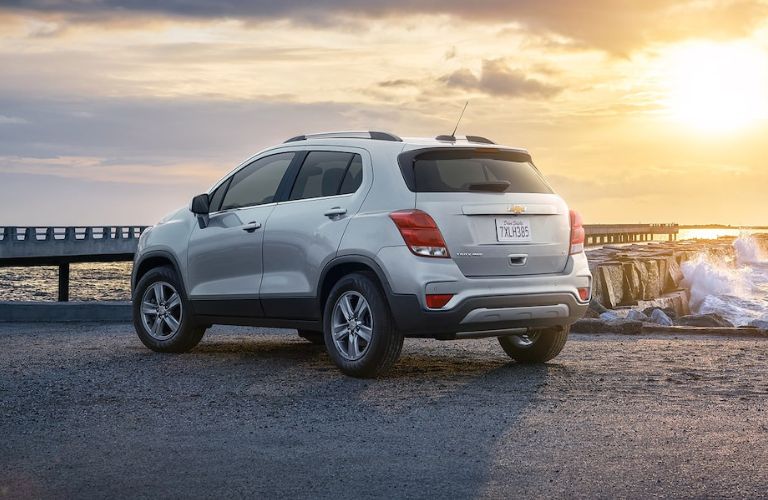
(118,111)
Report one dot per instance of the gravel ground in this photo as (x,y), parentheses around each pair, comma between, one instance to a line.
(86,411)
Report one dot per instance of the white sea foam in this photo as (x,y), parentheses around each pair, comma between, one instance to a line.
(748,250)
(735,289)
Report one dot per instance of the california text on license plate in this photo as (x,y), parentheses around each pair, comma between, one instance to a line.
(511,229)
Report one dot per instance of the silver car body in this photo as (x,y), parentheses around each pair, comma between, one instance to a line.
(271,264)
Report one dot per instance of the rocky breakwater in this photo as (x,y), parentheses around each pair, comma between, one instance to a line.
(643,284)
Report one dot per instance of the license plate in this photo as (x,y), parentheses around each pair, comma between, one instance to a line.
(513,230)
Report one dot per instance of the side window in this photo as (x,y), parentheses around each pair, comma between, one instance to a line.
(353,177)
(257,183)
(218,196)
(322,174)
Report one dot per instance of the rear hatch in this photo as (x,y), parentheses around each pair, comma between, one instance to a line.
(495,211)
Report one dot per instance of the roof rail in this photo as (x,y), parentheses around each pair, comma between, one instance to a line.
(469,138)
(377,136)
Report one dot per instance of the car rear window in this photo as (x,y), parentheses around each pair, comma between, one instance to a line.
(470,170)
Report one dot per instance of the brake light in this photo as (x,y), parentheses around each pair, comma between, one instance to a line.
(438,300)
(577,233)
(420,233)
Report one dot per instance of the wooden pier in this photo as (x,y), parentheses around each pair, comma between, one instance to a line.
(600,234)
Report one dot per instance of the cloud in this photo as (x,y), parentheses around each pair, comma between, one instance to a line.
(11,120)
(400,82)
(497,79)
(616,27)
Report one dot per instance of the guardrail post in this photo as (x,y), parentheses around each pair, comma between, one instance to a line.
(64,282)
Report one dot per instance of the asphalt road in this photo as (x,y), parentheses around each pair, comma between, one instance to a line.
(86,411)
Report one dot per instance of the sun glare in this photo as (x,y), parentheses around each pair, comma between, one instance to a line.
(717,87)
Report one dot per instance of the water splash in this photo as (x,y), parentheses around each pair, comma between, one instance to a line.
(748,250)
(737,289)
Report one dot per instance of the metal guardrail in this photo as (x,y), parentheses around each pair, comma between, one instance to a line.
(62,245)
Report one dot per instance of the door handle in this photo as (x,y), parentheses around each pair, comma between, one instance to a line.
(251,226)
(335,211)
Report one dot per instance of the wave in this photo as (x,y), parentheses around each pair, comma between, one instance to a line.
(748,250)
(736,288)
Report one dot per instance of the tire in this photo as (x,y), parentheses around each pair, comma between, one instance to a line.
(547,344)
(173,309)
(349,350)
(312,337)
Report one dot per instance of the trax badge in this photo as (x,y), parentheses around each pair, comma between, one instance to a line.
(516,209)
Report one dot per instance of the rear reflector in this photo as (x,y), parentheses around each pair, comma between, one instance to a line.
(577,233)
(420,233)
(584,293)
(438,300)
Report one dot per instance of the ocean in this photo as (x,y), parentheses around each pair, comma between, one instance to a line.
(737,288)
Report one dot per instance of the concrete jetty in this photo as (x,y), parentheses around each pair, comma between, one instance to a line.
(599,234)
(61,246)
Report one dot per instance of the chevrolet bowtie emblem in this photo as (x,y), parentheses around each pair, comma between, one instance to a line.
(516,209)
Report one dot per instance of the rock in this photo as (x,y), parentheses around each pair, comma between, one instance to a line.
(625,326)
(633,287)
(659,317)
(635,315)
(759,323)
(674,274)
(609,316)
(589,325)
(674,304)
(712,320)
(596,306)
(668,311)
(620,326)
(612,282)
(653,286)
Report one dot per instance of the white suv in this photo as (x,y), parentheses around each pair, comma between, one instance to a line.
(359,239)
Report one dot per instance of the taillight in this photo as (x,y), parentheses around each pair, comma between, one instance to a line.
(577,233)
(420,233)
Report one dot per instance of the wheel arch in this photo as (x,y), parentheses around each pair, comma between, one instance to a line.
(151,260)
(341,266)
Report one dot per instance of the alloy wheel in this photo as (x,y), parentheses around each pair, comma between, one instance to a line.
(352,325)
(161,310)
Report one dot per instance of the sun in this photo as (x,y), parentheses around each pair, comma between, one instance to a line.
(717,87)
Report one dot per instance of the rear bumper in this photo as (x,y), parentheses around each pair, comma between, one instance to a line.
(491,305)
(485,316)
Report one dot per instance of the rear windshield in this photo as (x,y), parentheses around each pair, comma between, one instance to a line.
(456,170)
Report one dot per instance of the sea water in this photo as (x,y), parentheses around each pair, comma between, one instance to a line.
(734,287)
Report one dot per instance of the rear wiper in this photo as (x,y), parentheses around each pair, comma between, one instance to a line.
(492,186)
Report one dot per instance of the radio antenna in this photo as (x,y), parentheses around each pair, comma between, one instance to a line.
(453,134)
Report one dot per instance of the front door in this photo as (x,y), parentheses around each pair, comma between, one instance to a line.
(225,254)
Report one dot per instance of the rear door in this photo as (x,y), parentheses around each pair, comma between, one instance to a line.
(497,214)
(304,231)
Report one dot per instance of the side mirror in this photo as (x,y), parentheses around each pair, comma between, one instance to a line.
(201,205)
